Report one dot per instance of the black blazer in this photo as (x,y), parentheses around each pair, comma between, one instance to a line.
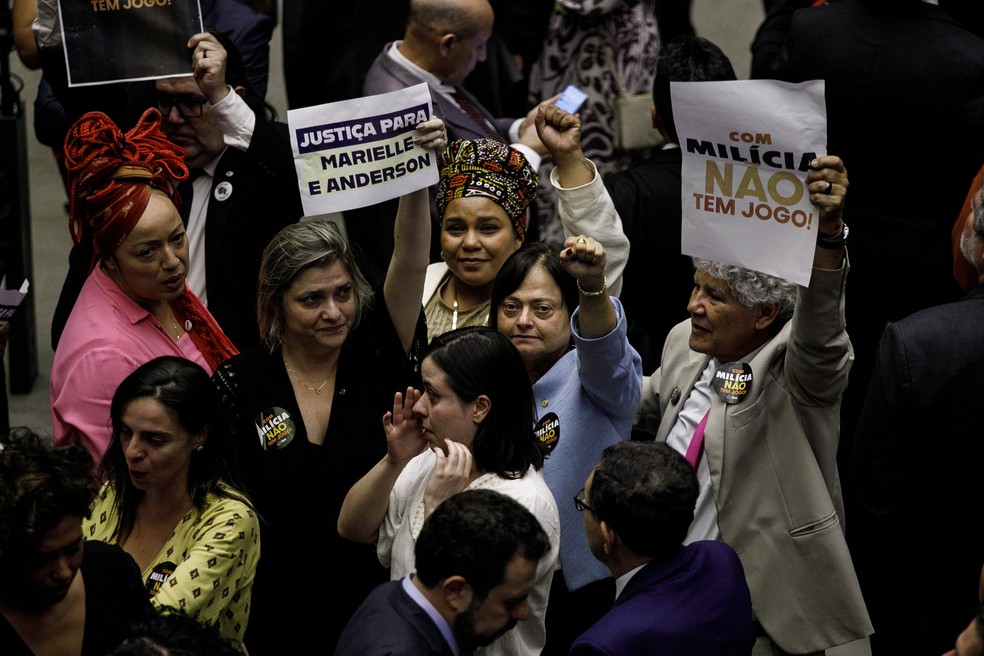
(914,520)
(265,197)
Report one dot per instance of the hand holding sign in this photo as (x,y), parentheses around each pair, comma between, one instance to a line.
(432,135)
(209,66)
(827,183)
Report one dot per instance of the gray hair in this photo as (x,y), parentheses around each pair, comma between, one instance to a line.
(293,250)
(752,288)
(979,214)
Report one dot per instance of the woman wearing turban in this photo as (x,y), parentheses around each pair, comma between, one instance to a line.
(482,198)
(134,306)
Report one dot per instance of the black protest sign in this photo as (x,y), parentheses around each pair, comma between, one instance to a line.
(127,40)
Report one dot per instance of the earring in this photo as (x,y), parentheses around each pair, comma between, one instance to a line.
(200,447)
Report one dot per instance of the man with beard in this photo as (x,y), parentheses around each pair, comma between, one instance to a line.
(476,560)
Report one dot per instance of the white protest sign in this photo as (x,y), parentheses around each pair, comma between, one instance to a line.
(359,152)
(747,147)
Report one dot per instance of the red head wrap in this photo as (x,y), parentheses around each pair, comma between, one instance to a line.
(112,175)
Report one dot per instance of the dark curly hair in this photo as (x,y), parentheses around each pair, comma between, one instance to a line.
(169,632)
(39,486)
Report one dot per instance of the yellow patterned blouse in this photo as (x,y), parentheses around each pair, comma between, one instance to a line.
(207,566)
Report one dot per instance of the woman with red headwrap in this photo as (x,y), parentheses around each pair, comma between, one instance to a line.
(135,305)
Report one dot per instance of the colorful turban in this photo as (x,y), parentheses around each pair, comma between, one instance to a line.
(491,169)
(112,175)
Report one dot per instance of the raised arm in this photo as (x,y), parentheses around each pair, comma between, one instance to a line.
(364,508)
(583,203)
(827,183)
(584,258)
(404,283)
(819,352)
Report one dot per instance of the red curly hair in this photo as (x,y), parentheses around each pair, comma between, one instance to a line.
(112,175)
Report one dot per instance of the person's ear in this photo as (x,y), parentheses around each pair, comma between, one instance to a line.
(457,593)
(767,314)
(482,406)
(659,124)
(241,90)
(110,263)
(199,439)
(446,42)
(608,537)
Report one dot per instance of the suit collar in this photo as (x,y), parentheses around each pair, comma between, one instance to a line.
(652,572)
(976,292)
(410,608)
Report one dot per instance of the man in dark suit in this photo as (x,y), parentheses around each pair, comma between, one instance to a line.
(914,526)
(476,560)
(443,41)
(647,198)
(244,189)
(896,73)
(671,599)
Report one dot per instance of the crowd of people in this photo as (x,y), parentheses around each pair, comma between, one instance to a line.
(481,430)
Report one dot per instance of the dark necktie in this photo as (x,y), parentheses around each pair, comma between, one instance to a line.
(186,190)
(470,108)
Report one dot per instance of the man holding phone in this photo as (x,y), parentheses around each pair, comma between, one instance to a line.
(444,39)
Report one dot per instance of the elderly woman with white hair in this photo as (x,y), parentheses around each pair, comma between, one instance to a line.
(749,389)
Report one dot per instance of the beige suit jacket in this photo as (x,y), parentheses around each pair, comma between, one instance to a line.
(772,460)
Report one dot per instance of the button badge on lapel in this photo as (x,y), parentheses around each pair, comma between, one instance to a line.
(222,191)
(732,382)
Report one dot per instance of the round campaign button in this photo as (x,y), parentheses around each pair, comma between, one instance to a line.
(548,431)
(161,573)
(222,191)
(276,428)
(732,382)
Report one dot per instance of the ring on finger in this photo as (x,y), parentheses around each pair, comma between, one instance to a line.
(830,188)
(581,241)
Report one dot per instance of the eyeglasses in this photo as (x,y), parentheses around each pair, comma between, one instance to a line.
(579,502)
(186,108)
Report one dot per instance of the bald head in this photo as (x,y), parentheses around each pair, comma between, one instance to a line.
(447,37)
(462,17)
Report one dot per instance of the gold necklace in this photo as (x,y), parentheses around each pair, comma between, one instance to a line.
(454,306)
(175,335)
(454,314)
(316,390)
